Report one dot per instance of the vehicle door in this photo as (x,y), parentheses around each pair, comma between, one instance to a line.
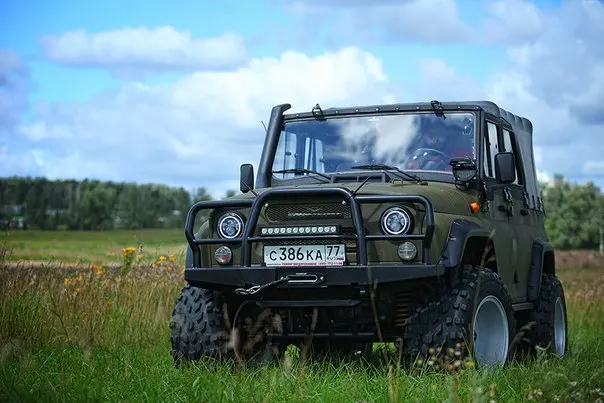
(523,214)
(500,203)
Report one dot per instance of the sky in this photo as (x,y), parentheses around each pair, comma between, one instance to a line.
(175,92)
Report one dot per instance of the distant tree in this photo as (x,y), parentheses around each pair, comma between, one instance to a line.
(573,214)
(230,193)
(201,194)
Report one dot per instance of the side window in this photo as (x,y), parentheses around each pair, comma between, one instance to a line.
(509,146)
(493,148)
(285,157)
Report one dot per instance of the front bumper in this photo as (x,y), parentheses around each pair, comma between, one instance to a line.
(361,274)
(308,277)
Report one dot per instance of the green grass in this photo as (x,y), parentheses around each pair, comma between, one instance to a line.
(91,246)
(78,335)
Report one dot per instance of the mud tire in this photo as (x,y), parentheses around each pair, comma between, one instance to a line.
(543,333)
(441,333)
(197,328)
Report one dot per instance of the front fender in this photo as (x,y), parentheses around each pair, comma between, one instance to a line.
(460,232)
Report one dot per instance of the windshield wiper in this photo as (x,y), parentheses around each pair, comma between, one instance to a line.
(384,167)
(302,171)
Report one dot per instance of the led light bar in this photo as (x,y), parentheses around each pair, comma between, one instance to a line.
(300,230)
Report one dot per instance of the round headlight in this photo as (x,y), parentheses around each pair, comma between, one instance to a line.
(396,221)
(230,225)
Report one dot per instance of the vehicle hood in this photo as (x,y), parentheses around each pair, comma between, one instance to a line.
(445,197)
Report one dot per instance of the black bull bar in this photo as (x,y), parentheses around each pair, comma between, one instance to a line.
(255,205)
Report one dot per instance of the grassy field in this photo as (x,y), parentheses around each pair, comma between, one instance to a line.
(92,246)
(69,333)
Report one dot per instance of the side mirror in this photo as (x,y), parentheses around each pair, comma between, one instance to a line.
(464,169)
(246,178)
(505,167)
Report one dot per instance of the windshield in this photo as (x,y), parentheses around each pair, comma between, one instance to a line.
(412,141)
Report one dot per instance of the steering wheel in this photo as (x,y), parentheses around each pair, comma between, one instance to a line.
(422,153)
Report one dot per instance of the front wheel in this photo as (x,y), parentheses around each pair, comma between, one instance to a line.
(197,328)
(474,319)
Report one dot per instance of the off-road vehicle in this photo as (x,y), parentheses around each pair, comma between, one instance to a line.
(420,224)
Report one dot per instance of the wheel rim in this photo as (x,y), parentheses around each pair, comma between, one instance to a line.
(559,328)
(491,333)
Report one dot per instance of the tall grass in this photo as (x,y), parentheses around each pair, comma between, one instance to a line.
(102,334)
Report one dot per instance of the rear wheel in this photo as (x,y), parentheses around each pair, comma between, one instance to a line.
(549,317)
(474,318)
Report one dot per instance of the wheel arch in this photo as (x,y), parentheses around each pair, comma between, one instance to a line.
(468,243)
(543,260)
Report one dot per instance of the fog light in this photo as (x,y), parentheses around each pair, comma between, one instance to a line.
(407,251)
(223,255)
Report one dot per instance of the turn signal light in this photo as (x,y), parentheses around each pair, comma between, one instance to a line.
(474,206)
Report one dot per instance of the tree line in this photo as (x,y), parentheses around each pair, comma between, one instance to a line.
(574,212)
(39,203)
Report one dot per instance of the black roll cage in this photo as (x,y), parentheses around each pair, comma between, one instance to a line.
(255,204)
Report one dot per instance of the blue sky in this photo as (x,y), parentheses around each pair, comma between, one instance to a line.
(129,90)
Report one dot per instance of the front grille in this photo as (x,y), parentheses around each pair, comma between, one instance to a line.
(310,211)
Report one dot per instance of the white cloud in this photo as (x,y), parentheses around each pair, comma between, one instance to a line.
(424,21)
(557,81)
(403,20)
(513,21)
(566,63)
(131,50)
(442,81)
(197,131)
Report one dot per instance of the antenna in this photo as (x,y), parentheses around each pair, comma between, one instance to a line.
(263,125)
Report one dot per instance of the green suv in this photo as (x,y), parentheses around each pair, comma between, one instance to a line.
(418,224)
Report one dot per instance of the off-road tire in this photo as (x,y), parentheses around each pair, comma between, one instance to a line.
(439,334)
(198,326)
(542,316)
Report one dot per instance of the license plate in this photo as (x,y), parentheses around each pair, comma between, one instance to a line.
(305,255)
